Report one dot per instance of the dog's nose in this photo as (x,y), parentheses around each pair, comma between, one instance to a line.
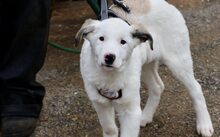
(109,59)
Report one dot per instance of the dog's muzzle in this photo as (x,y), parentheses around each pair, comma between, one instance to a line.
(109,59)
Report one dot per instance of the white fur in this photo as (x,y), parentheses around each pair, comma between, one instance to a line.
(135,63)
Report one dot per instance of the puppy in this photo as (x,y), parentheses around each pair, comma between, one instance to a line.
(116,57)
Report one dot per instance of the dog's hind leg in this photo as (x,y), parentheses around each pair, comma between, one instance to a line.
(153,82)
(106,117)
(182,69)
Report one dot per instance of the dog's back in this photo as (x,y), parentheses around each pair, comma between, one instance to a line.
(165,23)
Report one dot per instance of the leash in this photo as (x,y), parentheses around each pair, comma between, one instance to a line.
(105,12)
(60,47)
(104,9)
(95,7)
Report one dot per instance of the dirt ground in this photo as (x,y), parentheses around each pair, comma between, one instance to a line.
(67,112)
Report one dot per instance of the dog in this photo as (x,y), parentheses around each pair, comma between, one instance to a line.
(116,57)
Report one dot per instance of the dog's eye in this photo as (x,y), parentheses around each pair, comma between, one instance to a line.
(101,38)
(123,42)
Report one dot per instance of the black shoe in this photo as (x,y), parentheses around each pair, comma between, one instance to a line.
(18,126)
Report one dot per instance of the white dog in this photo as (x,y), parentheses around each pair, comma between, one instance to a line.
(116,57)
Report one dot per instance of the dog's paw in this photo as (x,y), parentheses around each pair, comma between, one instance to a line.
(145,121)
(205,130)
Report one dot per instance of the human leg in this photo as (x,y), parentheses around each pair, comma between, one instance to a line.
(24,32)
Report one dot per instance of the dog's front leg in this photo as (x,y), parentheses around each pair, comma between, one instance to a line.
(106,117)
(130,117)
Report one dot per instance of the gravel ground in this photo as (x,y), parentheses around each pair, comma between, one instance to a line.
(67,112)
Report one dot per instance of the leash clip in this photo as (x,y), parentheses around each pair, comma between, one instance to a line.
(105,12)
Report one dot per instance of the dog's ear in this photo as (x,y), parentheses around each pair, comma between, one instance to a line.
(142,34)
(87,27)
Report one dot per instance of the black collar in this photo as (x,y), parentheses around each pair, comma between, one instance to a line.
(111,95)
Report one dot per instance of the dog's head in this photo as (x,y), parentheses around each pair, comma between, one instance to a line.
(112,41)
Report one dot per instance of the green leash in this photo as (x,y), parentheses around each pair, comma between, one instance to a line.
(60,47)
(94,5)
(96,9)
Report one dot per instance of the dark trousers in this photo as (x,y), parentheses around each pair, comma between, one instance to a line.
(23,43)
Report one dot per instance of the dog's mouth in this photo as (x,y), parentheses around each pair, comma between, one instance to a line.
(108,67)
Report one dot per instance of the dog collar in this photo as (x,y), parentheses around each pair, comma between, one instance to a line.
(111,95)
